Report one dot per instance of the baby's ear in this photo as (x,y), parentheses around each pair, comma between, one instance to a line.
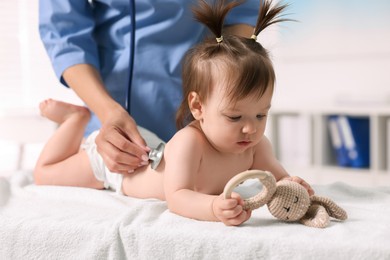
(316,216)
(195,105)
(334,210)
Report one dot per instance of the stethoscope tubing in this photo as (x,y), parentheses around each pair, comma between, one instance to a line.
(156,154)
(132,52)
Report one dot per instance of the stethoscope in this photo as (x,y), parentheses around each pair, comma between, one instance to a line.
(132,51)
(156,154)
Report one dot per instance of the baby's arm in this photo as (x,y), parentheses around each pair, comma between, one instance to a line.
(264,159)
(183,155)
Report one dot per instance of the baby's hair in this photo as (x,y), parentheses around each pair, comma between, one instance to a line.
(246,63)
(269,15)
(213,16)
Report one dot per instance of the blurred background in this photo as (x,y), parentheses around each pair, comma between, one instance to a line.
(26,78)
(337,51)
(336,55)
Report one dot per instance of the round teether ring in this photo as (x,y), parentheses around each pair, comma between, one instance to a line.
(249,203)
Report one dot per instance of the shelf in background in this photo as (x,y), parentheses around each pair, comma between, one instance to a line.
(320,165)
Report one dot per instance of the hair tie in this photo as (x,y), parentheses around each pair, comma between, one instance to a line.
(219,39)
(254,37)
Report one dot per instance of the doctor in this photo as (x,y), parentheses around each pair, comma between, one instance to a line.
(123,59)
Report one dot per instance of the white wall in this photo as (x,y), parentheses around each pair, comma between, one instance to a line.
(337,50)
(26,77)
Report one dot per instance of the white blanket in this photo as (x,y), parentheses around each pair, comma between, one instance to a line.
(42,222)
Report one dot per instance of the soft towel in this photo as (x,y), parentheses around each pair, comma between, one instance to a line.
(48,222)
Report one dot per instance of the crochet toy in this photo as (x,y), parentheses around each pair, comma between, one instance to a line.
(287,200)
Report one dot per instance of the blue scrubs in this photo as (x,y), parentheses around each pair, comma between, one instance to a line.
(102,33)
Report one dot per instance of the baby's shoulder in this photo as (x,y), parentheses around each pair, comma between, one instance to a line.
(188,135)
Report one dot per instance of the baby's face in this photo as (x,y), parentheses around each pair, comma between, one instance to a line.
(233,127)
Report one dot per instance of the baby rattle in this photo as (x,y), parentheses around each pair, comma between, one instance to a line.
(287,200)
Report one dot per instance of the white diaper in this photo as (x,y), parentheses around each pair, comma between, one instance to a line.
(102,173)
(110,179)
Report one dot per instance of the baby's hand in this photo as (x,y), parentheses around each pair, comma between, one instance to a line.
(230,211)
(302,182)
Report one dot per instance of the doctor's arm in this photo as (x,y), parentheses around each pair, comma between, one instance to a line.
(66,29)
(119,142)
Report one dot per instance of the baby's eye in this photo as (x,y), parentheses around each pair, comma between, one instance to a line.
(234,118)
(296,199)
(260,116)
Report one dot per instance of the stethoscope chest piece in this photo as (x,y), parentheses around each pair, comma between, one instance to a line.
(155,155)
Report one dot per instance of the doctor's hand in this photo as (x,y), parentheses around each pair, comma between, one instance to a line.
(230,211)
(120,144)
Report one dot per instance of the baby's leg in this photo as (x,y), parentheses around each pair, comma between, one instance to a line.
(61,161)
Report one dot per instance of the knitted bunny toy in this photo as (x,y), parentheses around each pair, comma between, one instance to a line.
(288,200)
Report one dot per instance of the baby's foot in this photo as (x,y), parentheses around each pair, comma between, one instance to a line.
(59,111)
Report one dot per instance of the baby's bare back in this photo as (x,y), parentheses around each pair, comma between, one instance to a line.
(145,182)
(215,170)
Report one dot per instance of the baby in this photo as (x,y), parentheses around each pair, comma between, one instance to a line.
(227,88)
